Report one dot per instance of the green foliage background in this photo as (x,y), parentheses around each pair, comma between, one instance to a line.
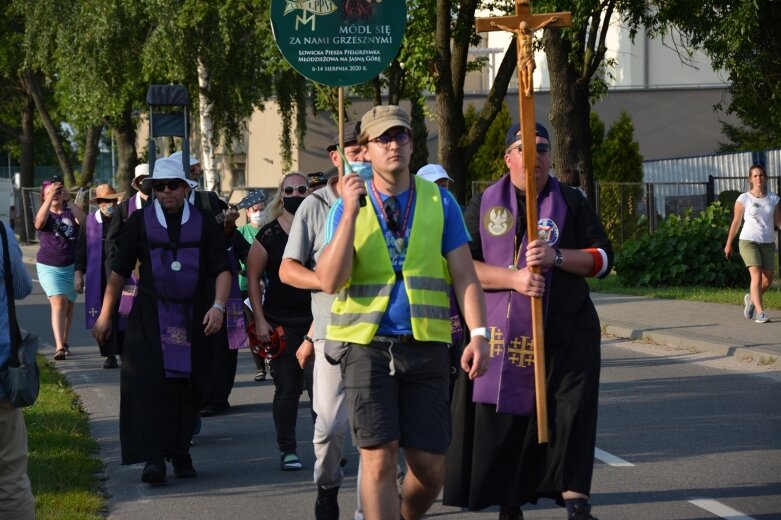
(684,251)
(617,159)
(488,163)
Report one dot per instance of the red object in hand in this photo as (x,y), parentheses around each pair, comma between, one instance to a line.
(273,348)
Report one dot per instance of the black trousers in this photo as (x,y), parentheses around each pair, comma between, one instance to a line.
(289,382)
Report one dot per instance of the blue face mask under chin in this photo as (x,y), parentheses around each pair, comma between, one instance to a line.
(364,169)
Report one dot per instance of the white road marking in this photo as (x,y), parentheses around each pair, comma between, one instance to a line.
(610,460)
(719,509)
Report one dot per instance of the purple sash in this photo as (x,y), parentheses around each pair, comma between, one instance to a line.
(175,274)
(509,383)
(130,289)
(93,295)
(234,310)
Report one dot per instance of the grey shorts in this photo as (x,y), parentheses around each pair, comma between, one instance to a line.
(411,406)
(758,254)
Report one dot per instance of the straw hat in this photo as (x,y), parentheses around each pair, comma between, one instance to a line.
(105,192)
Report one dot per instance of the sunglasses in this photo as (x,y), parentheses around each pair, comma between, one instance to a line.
(541,148)
(289,190)
(171,185)
(401,139)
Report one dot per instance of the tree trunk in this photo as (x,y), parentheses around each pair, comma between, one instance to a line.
(570,112)
(90,154)
(24,220)
(126,151)
(34,90)
(419,134)
(205,106)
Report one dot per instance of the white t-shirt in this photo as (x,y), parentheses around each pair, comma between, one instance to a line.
(758,217)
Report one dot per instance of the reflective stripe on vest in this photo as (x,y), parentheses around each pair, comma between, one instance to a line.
(359,307)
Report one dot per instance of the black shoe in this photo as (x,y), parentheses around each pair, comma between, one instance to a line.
(260,375)
(581,512)
(210,410)
(111,362)
(510,513)
(154,472)
(327,505)
(183,466)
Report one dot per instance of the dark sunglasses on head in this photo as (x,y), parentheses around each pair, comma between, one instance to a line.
(172,185)
(541,148)
(300,189)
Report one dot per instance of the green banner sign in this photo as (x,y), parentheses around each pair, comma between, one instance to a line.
(339,42)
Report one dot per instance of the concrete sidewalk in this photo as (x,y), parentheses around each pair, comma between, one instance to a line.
(711,327)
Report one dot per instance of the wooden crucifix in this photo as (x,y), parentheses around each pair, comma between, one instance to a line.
(524,24)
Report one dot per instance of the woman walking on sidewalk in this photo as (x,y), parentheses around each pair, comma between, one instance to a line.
(58,229)
(758,209)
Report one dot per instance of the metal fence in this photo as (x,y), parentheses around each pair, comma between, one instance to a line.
(657,200)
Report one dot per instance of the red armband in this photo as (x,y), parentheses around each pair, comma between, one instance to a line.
(599,257)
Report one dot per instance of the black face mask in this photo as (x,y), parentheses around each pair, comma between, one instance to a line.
(291,204)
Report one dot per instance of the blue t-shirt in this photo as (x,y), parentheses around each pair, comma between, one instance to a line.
(397,317)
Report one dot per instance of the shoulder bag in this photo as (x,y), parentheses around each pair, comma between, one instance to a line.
(20,378)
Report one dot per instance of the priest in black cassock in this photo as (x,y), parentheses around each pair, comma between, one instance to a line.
(165,362)
(494,457)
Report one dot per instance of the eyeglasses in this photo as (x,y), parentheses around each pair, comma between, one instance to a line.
(172,185)
(401,138)
(300,189)
(541,148)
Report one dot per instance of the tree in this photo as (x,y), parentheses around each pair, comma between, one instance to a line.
(453,35)
(742,39)
(576,61)
(619,165)
(487,164)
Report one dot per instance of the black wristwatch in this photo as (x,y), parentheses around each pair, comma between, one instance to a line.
(559,258)
(309,339)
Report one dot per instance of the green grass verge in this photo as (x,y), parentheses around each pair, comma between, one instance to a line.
(770,300)
(63,469)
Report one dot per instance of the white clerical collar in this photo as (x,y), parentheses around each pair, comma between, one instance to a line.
(99,216)
(139,201)
(161,217)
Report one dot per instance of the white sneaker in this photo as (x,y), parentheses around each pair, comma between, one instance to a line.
(748,307)
(762,317)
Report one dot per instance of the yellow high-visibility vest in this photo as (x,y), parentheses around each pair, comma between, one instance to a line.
(359,307)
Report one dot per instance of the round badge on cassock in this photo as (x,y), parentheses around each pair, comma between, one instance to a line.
(338,42)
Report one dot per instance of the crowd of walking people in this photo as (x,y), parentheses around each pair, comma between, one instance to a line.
(336,286)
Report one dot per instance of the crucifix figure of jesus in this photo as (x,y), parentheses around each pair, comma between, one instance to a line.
(524,24)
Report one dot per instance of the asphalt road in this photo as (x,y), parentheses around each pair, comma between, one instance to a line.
(674,428)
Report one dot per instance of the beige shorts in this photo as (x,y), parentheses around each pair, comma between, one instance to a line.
(756,254)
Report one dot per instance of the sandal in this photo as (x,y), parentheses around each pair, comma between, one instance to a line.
(67,349)
(59,355)
(290,462)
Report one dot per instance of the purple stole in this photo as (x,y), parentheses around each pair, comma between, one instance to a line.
(130,289)
(509,382)
(93,294)
(175,268)
(234,310)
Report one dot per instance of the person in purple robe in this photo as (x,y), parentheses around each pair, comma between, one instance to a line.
(495,458)
(57,223)
(91,262)
(180,250)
